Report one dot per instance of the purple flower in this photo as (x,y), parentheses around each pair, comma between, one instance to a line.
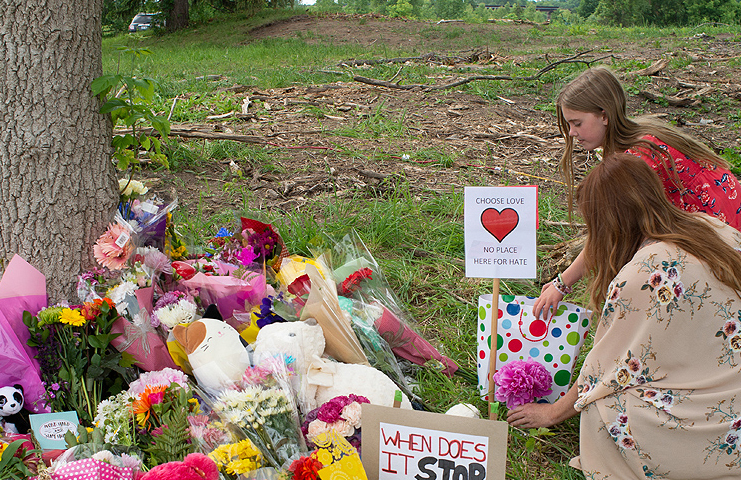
(521,382)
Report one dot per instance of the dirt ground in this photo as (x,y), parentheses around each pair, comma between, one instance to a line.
(307,130)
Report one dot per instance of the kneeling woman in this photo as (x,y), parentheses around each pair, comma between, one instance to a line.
(660,391)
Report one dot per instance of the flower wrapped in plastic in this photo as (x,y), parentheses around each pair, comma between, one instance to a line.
(146,215)
(263,408)
(94,460)
(359,276)
(341,415)
(152,415)
(522,381)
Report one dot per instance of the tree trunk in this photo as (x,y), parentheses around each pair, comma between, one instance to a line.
(58,188)
(178,17)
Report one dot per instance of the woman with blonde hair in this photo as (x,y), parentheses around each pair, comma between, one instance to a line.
(660,391)
(591,110)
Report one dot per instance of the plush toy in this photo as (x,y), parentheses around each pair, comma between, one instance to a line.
(195,466)
(215,352)
(320,379)
(11,405)
(464,410)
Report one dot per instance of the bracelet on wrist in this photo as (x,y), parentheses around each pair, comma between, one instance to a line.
(559,285)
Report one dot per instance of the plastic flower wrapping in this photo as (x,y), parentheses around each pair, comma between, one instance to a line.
(93,460)
(522,381)
(340,414)
(258,414)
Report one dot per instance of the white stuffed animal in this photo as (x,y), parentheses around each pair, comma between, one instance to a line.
(320,379)
(215,352)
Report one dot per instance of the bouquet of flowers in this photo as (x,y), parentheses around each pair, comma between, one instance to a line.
(153,415)
(522,381)
(263,409)
(147,217)
(79,366)
(341,414)
(94,460)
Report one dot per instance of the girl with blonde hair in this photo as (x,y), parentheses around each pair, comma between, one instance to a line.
(659,393)
(592,111)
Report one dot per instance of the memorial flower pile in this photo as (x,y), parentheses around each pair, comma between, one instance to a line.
(117,360)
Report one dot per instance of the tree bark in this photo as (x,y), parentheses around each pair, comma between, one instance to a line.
(58,187)
(178,17)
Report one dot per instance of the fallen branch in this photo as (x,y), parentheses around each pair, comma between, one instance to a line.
(669,99)
(194,133)
(524,136)
(653,69)
(572,59)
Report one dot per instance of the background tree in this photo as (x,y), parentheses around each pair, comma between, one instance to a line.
(58,187)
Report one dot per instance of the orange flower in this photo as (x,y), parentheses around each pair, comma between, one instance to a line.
(152,395)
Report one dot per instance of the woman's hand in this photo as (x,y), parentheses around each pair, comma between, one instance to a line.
(547,302)
(536,415)
(533,415)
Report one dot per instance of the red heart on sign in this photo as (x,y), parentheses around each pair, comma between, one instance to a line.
(499,224)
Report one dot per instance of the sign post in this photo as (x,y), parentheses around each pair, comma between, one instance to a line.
(500,226)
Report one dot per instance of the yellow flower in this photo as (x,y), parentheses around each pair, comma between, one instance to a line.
(3,446)
(237,458)
(238,467)
(72,317)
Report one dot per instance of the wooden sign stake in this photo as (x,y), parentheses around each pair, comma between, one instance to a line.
(493,350)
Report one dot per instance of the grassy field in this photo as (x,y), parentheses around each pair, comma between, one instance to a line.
(415,233)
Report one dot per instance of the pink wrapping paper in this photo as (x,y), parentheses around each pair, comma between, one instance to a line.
(22,287)
(227,292)
(144,344)
(141,341)
(90,469)
(408,344)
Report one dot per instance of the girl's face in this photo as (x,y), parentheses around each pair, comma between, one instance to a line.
(587,128)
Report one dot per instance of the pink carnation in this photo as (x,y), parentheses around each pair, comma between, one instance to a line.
(521,382)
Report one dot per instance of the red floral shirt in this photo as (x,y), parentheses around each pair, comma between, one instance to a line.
(708,189)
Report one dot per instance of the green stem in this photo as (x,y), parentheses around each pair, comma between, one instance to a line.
(87,398)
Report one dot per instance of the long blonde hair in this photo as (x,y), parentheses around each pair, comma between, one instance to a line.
(623,203)
(598,90)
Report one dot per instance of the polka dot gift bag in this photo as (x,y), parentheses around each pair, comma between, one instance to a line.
(554,343)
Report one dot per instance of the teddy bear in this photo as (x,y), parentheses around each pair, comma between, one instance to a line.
(195,466)
(11,405)
(215,352)
(320,379)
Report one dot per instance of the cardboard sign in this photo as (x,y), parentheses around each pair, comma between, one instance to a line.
(402,444)
(49,428)
(500,225)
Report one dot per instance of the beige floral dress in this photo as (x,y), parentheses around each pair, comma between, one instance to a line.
(660,391)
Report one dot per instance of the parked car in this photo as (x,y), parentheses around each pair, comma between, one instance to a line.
(143,21)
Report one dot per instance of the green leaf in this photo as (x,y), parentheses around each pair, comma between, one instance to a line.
(145,87)
(125,158)
(97,341)
(70,439)
(103,84)
(127,360)
(162,125)
(530,445)
(123,141)
(113,104)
